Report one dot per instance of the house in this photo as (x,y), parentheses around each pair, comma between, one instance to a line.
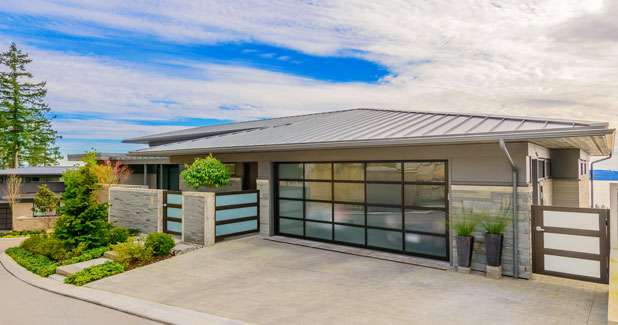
(21,217)
(390,180)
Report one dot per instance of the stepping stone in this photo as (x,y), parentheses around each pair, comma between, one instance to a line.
(112,255)
(73,268)
(57,277)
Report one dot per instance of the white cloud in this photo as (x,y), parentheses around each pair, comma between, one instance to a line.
(543,58)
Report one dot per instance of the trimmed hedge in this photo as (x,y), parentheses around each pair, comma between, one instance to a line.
(17,234)
(37,264)
(94,273)
(87,255)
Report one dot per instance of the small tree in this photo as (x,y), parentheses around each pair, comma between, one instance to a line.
(82,218)
(110,173)
(12,191)
(207,171)
(46,202)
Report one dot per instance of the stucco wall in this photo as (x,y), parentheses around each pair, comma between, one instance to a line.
(492,198)
(136,208)
(33,223)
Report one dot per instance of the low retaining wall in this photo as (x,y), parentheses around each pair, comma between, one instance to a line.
(34,223)
(137,208)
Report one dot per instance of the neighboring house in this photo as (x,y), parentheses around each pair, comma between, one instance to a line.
(389,180)
(21,217)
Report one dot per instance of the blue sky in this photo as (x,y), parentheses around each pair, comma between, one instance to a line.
(118,69)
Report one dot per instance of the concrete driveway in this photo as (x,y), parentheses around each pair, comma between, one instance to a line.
(25,304)
(261,281)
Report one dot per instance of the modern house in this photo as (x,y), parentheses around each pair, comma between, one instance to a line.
(390,180)
(21,217)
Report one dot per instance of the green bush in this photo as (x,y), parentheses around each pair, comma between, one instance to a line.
(24,233)
(50,247)
(161,243)
(118,235)
(133,251)
(133,232)
(37,264)
(87,255)
(94,273)
(205,172)
(82,218)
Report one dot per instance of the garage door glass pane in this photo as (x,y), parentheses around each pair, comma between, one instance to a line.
(292,209)
(318,171)
(384,217)
(350,192)
(319,211)
(319,230)
(384,194)
(350,213)
(388,171)
(425,220)
(424,172)
(292,227)
(291,189)
(293,171)
(384,239)
(318,191)
(354,235)
(424,195)
(349,171)
(424,244)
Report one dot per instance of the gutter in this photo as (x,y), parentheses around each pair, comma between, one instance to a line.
(514,205)
(592,178)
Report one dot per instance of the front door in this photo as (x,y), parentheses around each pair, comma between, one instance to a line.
(571,242)
(6,217)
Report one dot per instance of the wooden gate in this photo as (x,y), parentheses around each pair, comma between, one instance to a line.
(571,242)
(172,212)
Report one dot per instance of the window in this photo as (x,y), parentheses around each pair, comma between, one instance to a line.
(1,180)
(54,179)
(395,206)
(35,179)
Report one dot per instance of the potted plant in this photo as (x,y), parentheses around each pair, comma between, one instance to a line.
(464,228)
(494,225)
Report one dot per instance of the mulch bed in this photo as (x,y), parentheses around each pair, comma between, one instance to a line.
(155,259)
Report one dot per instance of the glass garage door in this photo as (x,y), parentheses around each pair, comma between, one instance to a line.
(397,206)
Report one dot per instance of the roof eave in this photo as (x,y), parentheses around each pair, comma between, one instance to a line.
(465,138)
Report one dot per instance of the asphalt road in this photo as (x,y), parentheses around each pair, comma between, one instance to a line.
(21,303)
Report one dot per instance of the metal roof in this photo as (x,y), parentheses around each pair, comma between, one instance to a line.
(367,127)
(35,171)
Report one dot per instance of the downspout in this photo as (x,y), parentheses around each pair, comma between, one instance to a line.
(592,178)
(514,205)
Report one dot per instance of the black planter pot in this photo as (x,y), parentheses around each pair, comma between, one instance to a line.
(493,249)
(464,251)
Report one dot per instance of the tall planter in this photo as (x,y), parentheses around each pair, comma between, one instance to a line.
(464,251)
(493,249)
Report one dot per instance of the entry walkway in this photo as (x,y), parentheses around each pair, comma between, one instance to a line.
(261,281)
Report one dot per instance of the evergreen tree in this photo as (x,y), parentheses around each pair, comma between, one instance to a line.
(26,132)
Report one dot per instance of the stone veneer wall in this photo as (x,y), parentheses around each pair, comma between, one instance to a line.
(491,198)
(136,208)
(198,215)
(264,187)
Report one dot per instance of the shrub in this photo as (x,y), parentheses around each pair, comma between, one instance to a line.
(118,235)
(16,234)
(50,247)
(87,255)
(45,201)
(495,224)
(94,273)
(205,172)
(37,264)
(161,243)
(133,251)
(83,219)
(133,232)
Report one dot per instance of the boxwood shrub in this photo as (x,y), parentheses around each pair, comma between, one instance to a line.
(35,263)
(94,273)
(161,243)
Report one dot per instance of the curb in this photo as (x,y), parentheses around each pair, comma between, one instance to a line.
(142,308)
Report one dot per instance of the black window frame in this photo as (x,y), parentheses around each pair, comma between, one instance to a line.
(445,183)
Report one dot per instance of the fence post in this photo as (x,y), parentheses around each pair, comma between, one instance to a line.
(209,219)
(613,214)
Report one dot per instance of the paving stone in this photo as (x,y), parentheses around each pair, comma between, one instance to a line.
(57,277)
(74,268)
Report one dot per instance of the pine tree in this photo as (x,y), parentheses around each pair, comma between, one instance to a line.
(26,132)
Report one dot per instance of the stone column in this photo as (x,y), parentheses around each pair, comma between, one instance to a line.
(198,218)
(264,186)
